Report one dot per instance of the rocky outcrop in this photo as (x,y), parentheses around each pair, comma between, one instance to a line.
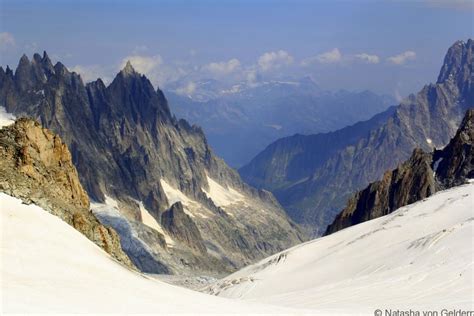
(127,146)
(182,227)
(419,177)
(36,166)
(455,162)
(426,120)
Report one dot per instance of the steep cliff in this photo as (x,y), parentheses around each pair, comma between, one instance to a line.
(419,177)
(36,166)
(128,148)
(426,120)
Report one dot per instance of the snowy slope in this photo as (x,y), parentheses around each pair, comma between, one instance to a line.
(419,257)
(5,118)
(47,266)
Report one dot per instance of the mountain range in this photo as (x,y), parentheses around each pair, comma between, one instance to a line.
(111,163)
(239,121)
(176,206)
(313,191)
(421,176)
(406,237)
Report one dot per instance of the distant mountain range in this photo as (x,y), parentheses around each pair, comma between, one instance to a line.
(241,120)
(176,206)
(313,176)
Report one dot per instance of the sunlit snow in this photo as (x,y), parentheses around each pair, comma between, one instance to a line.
(190,206)
(49,267)
(419,257)
(222,196)
(151,222)
(5,118)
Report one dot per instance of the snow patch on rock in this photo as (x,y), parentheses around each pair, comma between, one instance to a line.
(190,206)
(174,195)
(5,117)
(151,222)
(222,196)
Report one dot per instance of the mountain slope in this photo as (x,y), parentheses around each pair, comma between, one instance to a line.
(44,274)
(36,166)
(419,177)
(393,262)
(240,121)
(425,121)
(293,158)
(128,148)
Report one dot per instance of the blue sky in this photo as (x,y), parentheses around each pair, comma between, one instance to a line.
(391,47)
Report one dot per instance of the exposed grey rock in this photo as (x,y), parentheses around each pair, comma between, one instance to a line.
(427,120)
(419,177)
(182,227)
(124,142)
(291,159)
(455,163)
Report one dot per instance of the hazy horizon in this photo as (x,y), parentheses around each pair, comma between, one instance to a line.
(387,47)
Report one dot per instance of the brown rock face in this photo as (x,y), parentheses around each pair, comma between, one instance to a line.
(419,177)
(45,158)
(36,166)
(410,182)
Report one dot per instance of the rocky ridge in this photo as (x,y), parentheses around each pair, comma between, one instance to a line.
(426,120)
(36,166)
(418,178)
(131,151)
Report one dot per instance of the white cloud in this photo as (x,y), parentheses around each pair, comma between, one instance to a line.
(274,60)
(143,64)
(251,76)
(330,57)
(223,68)
(6,40)
(155,69)
(91,73)
(189,89)
(402,58)
(370,59)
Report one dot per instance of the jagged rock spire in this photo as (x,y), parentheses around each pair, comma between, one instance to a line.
(45,55)
(24,59)
(456,61)
(128,69)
